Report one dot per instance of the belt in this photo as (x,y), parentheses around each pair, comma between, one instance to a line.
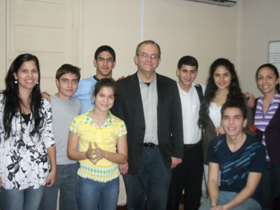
(190,146)
(149,145)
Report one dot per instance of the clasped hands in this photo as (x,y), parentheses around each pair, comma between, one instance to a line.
(94,154)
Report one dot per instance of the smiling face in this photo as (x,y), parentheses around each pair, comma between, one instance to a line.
(104,99)
(148,58)
(67,85)
(233,121)
(187,75)
(27,76)
(104,65)
(222,78)
(267,80)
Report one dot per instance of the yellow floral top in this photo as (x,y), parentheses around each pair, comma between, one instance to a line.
(105,137)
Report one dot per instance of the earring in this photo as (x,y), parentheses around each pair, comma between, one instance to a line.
(37,83)
(15,81)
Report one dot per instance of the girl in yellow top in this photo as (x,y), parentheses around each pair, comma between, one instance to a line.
(98,132)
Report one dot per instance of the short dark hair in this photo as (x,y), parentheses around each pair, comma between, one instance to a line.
(187,60)
(107,82)
(148,42)
(68,68)
(235,104)
(105,48)
(275,71)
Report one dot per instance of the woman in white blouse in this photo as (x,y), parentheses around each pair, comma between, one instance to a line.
(26,139)
(222,85)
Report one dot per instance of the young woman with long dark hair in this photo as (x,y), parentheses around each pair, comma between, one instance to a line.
(27,151)
(222,85)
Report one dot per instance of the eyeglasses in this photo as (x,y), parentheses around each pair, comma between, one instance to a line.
(146,56)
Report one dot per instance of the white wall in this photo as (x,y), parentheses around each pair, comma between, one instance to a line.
(260,23)
(179,27)
(3,67)
(113,23)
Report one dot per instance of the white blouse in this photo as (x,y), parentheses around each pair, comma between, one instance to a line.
(215,114)
(23,158)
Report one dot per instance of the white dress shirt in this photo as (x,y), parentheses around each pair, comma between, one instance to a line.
(190,110)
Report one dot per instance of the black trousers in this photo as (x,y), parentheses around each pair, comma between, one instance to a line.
(188,176)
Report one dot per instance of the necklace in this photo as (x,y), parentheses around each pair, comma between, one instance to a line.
(219,98)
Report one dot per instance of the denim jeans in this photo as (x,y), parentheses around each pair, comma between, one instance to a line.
(66,181)
(271,185)
(225,197)
(92,194)
(151,182)
(21,199)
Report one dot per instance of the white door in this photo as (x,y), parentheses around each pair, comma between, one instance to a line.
(46,28)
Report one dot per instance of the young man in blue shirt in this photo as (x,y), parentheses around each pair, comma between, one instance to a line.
(104,62)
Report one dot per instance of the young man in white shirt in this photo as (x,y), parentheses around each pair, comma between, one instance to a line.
(187,176)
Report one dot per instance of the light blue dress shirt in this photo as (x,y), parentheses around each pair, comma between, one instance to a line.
(85,93)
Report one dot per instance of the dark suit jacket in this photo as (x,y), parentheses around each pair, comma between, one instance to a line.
(170,128)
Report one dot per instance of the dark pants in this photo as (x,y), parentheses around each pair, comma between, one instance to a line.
(271,185)
(187,176)
(151,182)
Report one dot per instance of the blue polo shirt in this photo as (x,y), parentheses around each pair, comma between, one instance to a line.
(85,93)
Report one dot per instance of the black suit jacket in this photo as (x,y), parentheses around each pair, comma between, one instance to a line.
(170,128)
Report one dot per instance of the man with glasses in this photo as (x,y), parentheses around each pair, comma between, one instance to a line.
(151,108)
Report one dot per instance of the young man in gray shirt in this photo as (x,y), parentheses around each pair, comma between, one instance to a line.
(64,109)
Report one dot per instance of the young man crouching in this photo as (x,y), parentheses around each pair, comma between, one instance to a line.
(241,160)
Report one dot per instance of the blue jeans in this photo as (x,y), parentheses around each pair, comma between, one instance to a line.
(271,185)
(21,199)
(225,197)
(151,181)
(66,181)
(92,195)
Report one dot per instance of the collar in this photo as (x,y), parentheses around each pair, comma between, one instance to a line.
(94,77)
(152,82)
(180,88)
(87,120)
(275,99)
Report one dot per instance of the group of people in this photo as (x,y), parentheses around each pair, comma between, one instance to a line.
(160,134)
